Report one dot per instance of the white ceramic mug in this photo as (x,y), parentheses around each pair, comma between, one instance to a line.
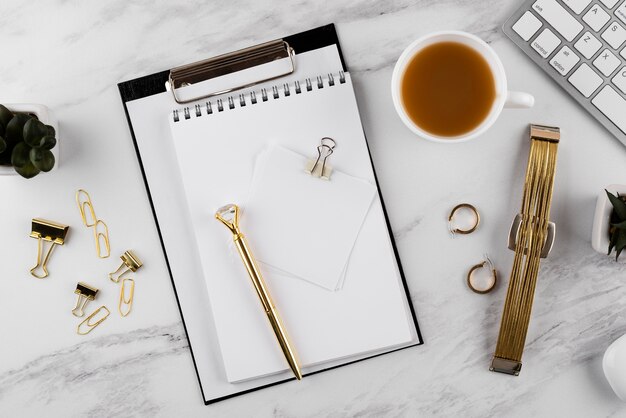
(504,98)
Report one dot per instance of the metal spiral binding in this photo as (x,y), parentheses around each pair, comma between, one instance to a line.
(252,97)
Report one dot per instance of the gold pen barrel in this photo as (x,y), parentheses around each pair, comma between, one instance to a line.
(268,304)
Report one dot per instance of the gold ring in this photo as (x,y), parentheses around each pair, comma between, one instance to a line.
(464,231)
(479,266)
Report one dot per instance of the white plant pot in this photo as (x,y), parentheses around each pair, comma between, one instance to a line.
(602,217)
(45,116)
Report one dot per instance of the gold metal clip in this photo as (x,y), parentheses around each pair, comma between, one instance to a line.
(132,263)
(90,220)
(87,213)
(48,231)
(101,236)
(88,321)
(126,304)
(85,294)
(324,150)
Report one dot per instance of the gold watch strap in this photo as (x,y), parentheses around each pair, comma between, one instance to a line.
(531,238)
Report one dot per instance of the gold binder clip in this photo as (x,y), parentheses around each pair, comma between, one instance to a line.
(85,294)
(324,150)
(132,263)
(90,220)
(87,322)
(46,231)
(126,304)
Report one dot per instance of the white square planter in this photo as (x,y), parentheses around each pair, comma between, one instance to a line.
(45,116)
(602,217)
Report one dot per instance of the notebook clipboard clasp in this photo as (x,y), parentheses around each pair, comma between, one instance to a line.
(228,63)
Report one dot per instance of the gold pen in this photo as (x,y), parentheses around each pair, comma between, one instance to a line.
(229,216)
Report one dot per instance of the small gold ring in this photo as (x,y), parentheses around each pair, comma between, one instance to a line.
(464,231)
(479,266)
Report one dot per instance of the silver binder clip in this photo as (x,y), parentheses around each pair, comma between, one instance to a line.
(85,294)
(268,52)
(318,168)
(130,261)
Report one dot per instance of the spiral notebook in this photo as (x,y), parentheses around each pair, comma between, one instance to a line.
(371,315)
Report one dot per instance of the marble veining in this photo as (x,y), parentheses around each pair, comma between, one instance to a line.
(70,55)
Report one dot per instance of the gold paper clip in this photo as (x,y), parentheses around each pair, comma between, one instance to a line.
(46,231)
(87,322)
(85,294)
(125,305)
(132,263)
(101,236)
(90,220)
(87,213)
(324,150)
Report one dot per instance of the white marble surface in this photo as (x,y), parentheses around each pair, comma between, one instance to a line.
(70,55)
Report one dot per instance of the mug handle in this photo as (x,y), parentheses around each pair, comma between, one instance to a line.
(519,100)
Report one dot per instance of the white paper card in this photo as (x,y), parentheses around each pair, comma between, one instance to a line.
(312,223)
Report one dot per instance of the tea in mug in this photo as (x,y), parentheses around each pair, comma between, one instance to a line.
(448,89)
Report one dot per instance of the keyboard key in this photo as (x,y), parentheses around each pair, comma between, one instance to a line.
(596,17)
(546,42)
(620,12)
(609,102)
(609,3)
(620,80)
(588,45)
(615,35)
(559,18)
(527,26)
(564,60)
(606,62)
(577,6)
(585,80)
(623,53)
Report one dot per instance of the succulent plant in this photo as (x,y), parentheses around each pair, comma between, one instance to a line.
(617,226)
(25,143)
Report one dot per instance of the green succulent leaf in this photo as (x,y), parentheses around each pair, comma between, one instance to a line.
(620,225)
(612,241)
(34,130)
(5,116)
(3,145)
(47,142)
(42,159)
(15,129)
(27,171)
(619,206)
(20,155)
(51,131)
(620,244)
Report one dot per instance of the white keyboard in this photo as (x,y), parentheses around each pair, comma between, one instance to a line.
(581,44)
